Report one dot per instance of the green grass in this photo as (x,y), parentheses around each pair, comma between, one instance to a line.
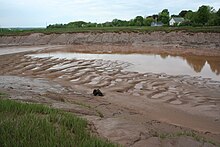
(3,95)
(5,32)
(88,106)
(23,124)
(186,133)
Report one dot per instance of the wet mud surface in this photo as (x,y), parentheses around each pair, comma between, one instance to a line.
(200,66)
(138,109)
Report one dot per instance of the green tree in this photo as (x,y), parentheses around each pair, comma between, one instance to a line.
(214,19)
(139,21)
(190,15)
(203,14)
(115,22)
(89,24)
(131,22)
(55,26)
(183,13)
(218,12)
(148,21)
(76,24)
(189,18)
(217,19)
(164,16)
(174,15)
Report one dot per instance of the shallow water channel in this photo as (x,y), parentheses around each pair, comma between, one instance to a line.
(205,67)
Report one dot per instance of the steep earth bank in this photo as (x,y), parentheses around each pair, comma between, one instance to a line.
(156,40)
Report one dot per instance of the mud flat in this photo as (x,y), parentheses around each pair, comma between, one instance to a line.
(138,109)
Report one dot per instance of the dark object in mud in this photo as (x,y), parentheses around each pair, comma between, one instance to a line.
(97,92)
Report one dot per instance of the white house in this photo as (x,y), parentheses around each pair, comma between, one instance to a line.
(176,20)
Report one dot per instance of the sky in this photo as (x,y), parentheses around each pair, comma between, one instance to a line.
(39,13)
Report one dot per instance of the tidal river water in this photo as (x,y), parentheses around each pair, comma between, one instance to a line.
(200,66)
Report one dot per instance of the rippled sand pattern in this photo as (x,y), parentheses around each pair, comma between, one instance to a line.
(176,90)
(136,106)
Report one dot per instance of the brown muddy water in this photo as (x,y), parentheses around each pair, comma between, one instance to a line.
(199,66)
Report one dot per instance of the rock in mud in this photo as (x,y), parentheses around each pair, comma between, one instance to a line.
(97,92)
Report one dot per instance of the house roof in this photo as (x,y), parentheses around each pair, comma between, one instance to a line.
(178,19)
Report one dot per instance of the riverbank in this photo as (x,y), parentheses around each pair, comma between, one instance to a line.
(54,127)
(172,43)
(156,109)
(137,109)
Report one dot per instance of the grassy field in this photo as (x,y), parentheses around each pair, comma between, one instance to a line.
(23,124)
(6,32)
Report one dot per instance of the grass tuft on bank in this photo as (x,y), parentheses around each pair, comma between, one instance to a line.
(23,124)
(129,29)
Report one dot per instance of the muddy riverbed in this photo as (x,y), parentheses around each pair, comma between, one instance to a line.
(200,66)
(141,106)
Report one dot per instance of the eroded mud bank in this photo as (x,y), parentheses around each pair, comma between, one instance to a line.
(154,40)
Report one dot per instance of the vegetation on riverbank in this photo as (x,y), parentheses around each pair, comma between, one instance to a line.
(23,124)
(205,19)
(205,16)
(17,32)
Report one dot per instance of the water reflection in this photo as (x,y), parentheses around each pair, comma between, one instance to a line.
(215,66)
(198,62)
(164,56)
(206,67)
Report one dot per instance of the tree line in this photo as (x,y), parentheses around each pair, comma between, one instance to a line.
(204,16)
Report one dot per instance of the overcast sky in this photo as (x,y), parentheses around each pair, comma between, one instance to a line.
(38,13)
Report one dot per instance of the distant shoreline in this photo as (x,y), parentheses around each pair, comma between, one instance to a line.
(134,29)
